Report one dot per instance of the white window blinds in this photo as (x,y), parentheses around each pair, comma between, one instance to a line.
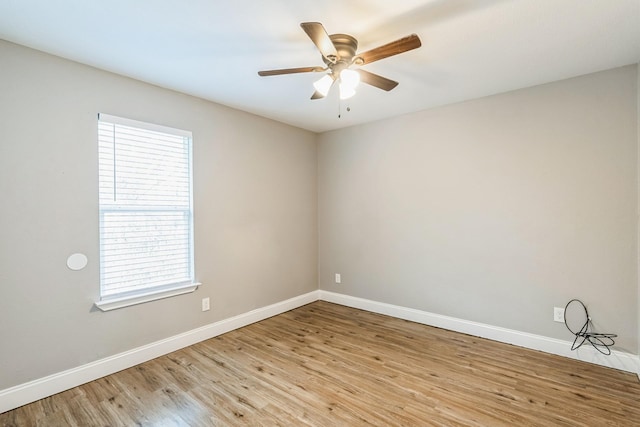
(146,221)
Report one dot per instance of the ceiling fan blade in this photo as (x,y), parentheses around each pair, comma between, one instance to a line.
(376,80)
(290,71)
(320,38)
(399,46)
(317,95)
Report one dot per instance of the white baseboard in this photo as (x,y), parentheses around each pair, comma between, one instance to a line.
(618,359)
(22,394)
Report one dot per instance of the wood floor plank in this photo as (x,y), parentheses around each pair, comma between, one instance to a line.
(329,365)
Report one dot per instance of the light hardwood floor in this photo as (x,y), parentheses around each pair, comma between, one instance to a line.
(328,365)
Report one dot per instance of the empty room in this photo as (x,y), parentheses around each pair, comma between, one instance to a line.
(319,213)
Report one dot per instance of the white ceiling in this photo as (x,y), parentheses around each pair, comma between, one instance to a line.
(213,48)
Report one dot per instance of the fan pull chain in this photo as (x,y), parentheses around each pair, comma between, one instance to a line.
(340,109)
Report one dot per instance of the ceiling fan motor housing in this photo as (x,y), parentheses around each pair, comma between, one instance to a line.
(346,46)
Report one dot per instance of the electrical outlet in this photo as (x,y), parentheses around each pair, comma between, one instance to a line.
(205,304)
(338,278)
(558,314)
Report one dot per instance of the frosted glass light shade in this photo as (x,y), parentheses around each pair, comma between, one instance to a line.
(350,78)
(323,85)
(346,92)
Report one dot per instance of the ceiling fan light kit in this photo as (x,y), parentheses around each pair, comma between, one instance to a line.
(339,54)
(324,84)
(349,80)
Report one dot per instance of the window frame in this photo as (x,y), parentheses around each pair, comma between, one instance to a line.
(146,293)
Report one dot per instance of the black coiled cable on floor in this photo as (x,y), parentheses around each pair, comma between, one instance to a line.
(601,342)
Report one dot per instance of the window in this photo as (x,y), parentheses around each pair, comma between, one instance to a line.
(146,218)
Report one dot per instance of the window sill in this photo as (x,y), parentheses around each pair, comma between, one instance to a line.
(115,303)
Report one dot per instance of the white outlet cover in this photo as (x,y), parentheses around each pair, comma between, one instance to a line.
(558,314)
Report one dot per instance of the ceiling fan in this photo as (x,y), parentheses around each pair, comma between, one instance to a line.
(339,54)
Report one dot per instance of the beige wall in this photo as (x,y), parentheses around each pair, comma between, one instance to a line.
(494,210)
(254,204)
